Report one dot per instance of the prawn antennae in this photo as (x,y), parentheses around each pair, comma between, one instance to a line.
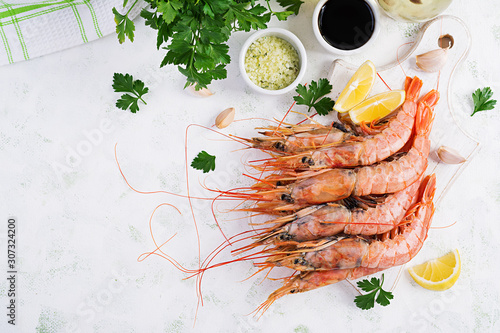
(286,114)
(149,192)
(380,77)
(446,226)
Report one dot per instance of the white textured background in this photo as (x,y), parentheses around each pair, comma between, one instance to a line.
(81,229)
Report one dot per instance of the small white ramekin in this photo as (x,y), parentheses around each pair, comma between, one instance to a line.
(289,37)
(332,49)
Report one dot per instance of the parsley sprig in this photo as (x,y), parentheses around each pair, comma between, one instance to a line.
(195,32)
(374,286)
(204,161)
(482,101)
(124,25)
(311,96)
(134,90)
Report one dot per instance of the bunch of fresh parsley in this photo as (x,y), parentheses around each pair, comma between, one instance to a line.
(195,32)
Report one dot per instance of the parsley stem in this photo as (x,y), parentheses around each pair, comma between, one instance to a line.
(139,97)
(135,3)
(269,6)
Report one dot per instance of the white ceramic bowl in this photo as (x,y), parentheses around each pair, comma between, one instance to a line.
(289,37)
(332,49)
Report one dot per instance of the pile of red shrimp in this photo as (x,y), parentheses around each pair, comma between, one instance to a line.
(344,201)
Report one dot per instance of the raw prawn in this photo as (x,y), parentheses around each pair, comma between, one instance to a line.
(294,139)
(310,280)
(363,150)
(392,248)
(336,184)
(350,216)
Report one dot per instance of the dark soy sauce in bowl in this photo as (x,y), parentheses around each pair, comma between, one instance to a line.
(346,24)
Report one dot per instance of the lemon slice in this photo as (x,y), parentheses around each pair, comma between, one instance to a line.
(357,88)
(438,274)
(377,107)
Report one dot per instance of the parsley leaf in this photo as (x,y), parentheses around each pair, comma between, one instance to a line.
(169,10)
(291,5)
(367,285)
(282,16)
(384,297)
(204,161)
(311,96)
(127,101)
(195,33)
(124,25)
(134,89)
(482,101)
(367,301)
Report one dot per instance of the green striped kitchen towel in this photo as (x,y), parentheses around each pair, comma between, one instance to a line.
(32,28)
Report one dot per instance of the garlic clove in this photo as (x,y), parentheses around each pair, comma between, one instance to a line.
(203,92)
(432,61)
(225,118)
(449,155)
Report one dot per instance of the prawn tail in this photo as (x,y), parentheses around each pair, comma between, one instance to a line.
(424,120)
(412,88)
(431,99)
(407,82)
(426,195)
(429,189)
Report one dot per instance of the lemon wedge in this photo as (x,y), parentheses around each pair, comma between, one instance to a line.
(357,88)
(438,274)
(377,107)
